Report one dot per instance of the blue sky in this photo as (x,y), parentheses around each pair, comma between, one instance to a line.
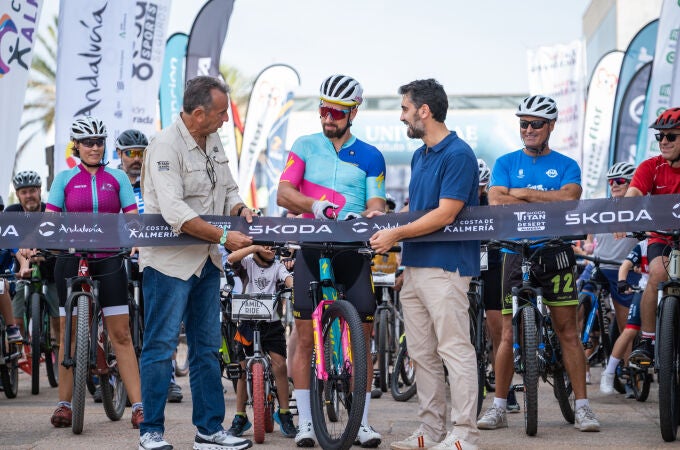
(471,47)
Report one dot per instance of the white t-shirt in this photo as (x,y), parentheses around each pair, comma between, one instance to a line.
(263,280)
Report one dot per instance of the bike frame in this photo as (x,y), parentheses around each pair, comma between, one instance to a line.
(670,287)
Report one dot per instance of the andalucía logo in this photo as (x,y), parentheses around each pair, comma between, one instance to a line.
(46,229)
(676,210)
(360,227)
(10,36)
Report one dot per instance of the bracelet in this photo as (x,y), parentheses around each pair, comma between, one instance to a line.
(223,239)
(240,210)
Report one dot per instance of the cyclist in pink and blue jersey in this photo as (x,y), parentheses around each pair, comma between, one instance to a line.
(94,188)
(332,175)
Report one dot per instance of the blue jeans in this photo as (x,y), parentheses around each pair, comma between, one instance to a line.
(167,302)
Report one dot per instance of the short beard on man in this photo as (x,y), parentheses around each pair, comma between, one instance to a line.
(337,132)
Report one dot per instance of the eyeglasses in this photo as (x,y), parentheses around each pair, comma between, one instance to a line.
(210,168)
(336,114)
(617,181)
(91,142)
(134,153)
(535,124)
(669,137)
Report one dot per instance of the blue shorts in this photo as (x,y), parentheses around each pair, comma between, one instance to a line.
(612,276)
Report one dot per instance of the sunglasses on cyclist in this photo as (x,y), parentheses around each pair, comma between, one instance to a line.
(669,137)
(535,124)
(91,142)
(336,114)
(134,153)
(617,181)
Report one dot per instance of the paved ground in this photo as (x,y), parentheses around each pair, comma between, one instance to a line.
(24,423)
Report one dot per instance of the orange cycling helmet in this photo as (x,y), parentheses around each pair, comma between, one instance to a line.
(667,120)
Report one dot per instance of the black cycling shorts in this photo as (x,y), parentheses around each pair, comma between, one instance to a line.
(352,275)
(109,271)
(657,249)
(492,288)
(272,339)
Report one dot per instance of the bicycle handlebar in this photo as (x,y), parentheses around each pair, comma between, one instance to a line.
(597,260)
(363,248)
(524,244)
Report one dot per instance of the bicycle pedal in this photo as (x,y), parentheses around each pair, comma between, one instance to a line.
(233,371)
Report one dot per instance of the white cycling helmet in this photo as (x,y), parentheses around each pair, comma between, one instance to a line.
(538,106)
(484,172)
(621,170)
(342,90)
(87,127)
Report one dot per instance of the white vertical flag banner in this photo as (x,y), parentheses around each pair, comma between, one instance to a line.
(559,72)
(662,71)
(18,33)
(598,124)
(675,84)
(94,61)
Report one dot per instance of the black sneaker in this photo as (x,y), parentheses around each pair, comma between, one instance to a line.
(285,421)
(97,396)
(174,393)
(512,406)
(239,425)
(643,355)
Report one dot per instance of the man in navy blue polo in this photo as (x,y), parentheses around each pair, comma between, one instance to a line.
(444,180)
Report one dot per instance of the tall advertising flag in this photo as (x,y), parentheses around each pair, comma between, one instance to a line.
(94,60)
(630,117)
(18,33)
(276,154)
(640,51)
(271,91)
(171,89)
(598,123)
(559,72)
(207,38)
(675,84)
(662,72)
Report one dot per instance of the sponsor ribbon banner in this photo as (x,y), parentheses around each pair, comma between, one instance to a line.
(92,231)
(94,60)
(598,124)
(559,72)
(18,33)
(171,90)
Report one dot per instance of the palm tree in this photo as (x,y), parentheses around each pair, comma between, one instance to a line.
(39,110)
(240,86)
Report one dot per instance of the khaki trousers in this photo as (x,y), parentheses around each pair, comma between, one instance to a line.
(435,308)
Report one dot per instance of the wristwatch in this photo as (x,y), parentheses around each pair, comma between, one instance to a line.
(223,239)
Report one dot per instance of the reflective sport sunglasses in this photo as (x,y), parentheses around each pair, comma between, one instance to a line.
(336,114)
(617,181)
(134,153)
(535,124)
(669,137)
(91,142)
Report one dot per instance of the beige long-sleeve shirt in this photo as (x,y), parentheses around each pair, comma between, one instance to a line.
(176,183)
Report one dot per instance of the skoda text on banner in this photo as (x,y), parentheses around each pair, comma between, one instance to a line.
(91,231)
(662,73)
(630,117)
(598,124)
(559,72)
(171,90)
(18,32)
(95,57)
(640,51)
(207,38)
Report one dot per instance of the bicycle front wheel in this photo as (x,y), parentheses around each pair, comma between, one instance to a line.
(82,363)
(51,347)
(114,395)
(669,364)
(564,394)
(36,331)
(346,383)
(257,370)
(403,382)
(384,338)
(529,346)
(9,371)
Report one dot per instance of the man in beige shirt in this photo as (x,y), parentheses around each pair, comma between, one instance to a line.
(186,174)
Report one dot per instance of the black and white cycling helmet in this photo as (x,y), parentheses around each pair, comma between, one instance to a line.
(538,106)
(26,178)
(87,127)
(131,139)
(484,172)
(621,170)
(342,90)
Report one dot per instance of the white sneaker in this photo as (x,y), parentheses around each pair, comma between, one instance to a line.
(219,441)
(305,436)
(585,419)
(493,418)
(417,441)
(153,441)
(368,437)
(607,383)
(451,441)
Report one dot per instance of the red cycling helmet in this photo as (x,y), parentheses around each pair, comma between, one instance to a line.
(667,120)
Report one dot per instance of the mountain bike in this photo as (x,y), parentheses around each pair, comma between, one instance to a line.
(135,308)
(478,335)
(260,380)
(595,314)
(536,348)
(94,352)
(229,366)
(9,354)
(387,326)
(403,381)
(41,338)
